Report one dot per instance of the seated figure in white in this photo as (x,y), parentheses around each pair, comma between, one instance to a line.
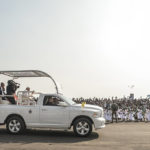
(27,97)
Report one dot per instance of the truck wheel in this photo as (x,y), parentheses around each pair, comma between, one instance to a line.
(82,127)
(15,125)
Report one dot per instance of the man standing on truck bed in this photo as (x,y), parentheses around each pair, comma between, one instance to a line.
(2,90)
(11,89)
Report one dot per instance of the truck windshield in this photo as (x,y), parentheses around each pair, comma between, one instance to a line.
(69,100)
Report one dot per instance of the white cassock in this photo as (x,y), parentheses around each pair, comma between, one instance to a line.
(121,115)
(109,115)
(126,114)
(131,116)
(139,114)
(105,114)
(118,113)
(148,115)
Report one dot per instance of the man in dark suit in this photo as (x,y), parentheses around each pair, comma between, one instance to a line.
(11,89)
(114,108)
(2,91)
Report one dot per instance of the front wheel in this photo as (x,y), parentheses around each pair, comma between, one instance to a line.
(15,125)
(82,127)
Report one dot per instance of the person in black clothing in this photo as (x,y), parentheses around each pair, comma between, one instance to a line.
(114,108)
(2,91)
(11,89)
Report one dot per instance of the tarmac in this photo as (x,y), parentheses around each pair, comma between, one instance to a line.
(116,136)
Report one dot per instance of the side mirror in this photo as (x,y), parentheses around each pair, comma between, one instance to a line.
(63,104)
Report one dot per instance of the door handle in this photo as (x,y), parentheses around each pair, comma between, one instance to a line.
(44,109)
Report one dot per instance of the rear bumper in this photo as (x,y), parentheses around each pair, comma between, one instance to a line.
(99,123)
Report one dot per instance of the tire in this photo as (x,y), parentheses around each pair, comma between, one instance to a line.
(15,125)
(82,127)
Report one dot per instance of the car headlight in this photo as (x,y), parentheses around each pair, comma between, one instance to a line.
(95,115)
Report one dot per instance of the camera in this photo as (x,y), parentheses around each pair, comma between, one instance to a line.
(13,85)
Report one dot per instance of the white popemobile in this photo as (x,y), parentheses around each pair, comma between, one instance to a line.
(48,111)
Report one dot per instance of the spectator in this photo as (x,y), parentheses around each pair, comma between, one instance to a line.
(2,91)
(114,108)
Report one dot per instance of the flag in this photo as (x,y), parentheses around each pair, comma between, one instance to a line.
(83,104)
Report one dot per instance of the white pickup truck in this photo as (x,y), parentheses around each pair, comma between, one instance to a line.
(50,111)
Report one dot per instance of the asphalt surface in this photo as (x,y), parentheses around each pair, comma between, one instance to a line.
(117,136)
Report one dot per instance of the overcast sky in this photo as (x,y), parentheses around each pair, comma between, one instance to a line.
(91,47)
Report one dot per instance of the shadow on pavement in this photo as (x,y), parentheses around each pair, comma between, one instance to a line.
(44,136)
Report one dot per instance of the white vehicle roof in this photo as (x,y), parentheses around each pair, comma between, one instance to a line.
(25,73)
(31,73)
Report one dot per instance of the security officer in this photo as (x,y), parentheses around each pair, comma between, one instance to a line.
(114,108)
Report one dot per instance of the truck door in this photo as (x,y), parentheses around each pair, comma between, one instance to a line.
(52,114)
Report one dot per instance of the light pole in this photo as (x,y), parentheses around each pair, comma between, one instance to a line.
(131,91)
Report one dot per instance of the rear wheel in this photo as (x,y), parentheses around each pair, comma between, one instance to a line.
(15,125)
(82,127)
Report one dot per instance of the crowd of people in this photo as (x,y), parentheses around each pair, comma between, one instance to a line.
(127,109)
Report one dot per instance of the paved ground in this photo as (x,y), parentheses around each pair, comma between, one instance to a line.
(121,136)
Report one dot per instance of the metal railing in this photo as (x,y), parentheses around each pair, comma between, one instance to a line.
(22,98)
